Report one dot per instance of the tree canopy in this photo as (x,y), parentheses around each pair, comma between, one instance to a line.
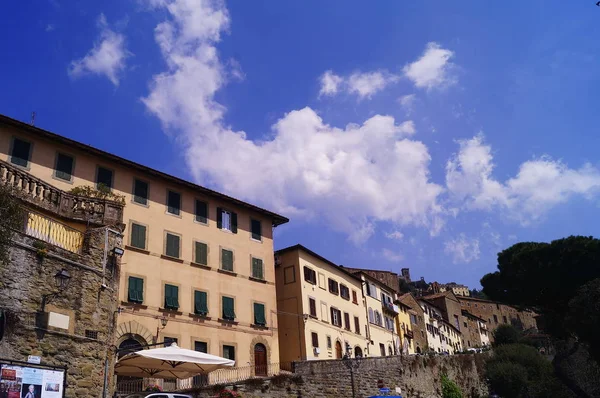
(12,216)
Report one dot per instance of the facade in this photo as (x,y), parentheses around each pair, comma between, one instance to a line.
(404,328)
(442,337)
(321,309)
(448,303)
(197,266)
(458,290)
(417,323)
(474,331)
(60,285)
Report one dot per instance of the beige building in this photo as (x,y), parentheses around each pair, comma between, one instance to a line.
(197,266)
(442,337)
(458,290)
(321,310)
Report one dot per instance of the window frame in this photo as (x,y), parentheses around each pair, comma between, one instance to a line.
(262,263)
(165,305)
(112,177)
(129,278)
(196,201)
(285,280)
(55,171)
(233,220)
(133,195)
(232,345)
(228,319)
(252,231)
(264,306)
(167,203)
(330,284)
(29,155)
(356,325)
(314,337)
(166,244)
(194,302)
(347,325)
(221,248)
(311,301)
(195,252)
(131,224)
(341,289)
(313,274)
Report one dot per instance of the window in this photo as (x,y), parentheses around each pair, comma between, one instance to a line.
(354,297)
(171,297)
(378,320)
(329,342)
(371,290)
(256,229)
(259,314)
(315,339)
(135,292)
(495,318)
(104,177)
(257,268)
(371,315)
(20,152)
(228,308)
(227,260)
(64,167)
(413,319)
(322,283)
(456,322)
(229,352)
(170,340)
(324,312)
(201,253)
(310,275)
(356,325)
(172,245)
(138,236)
(140,191)
(382,349)
(201,346)
(200,303)
(346,321)
(289,274)
(465,324)
(345,292)
(173,203)
(336,317)
(312,304)
(201,212)
(226,220)
(333,286)
(504,319)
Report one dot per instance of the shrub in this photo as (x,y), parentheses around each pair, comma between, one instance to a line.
(507,379)
(450,389)
(506,334)
(101,192)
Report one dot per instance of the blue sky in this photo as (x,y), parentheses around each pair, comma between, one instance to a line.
(427,135)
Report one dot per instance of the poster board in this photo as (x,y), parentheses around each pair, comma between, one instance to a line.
(30,381)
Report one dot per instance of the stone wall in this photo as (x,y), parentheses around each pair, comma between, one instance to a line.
(416,376)
(82,347)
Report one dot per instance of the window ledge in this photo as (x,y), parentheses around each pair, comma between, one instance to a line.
(228,321)
(256,240)
(313,317)
(136,249)
(198,265)
(224,271)
(174,259)
(199,316)
(170,311)
(134,305)
(257,279)
(261,327)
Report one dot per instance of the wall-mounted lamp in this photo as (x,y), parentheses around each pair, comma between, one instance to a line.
(61,281)
(118,251)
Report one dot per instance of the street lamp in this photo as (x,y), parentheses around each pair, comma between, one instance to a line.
(352,365)
(61,281)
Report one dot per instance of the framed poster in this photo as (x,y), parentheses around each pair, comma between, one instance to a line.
(23,381)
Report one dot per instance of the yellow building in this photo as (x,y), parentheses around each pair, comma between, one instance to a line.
(198,265)
(321,310)
(404,328)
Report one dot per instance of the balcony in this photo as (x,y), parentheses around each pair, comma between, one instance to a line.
(37,193)
(409,334)
(390,308)
(53,232)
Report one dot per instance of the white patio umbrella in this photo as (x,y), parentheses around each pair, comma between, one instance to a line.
(169,362)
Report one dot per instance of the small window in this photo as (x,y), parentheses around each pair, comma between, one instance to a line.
(200,303)
(346,321)
(345,292)
(382,349)
(354,297)
(289,274)
(20,153)
(226,220)
(172,245)
(201,253)
(228,308)
(171,297)
(336,317)
(64,167)
(257,268)
(227,260)
(173,203)
(104,177)
(333,286)
(256,228)
(356,325)
(201,212)
(312,304)
(140,191)
(135,293)
(201,346)
(329,342)
(138,236)
(504,319)
(310,275)
(170,340)
(259,314)
(315,340)
(229,352)
(495,319)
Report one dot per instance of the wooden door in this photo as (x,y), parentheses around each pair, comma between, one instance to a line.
(260,360)
(338,350)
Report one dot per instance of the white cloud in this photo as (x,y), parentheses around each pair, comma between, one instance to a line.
(330,83)
(395,235)
(350,177)
(539,185)
(432,69)
(107,57)
(392,256)
(50,27)
(407,102)
(462,249)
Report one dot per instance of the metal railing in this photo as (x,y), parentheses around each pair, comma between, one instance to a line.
(53,232)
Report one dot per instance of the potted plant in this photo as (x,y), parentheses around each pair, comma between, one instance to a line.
(153,388)
(225,393)
(41,250)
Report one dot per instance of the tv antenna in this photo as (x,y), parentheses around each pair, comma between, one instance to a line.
(32,118)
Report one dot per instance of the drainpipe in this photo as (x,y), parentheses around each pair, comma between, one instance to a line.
(364,300)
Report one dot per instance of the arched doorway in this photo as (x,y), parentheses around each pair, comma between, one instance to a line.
(357,352)
(418,350)
(338,350)
(128,383)
(260,360)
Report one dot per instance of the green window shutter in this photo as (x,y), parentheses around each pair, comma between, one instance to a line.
(20,152)
(172,249)
(259,314)
(257,268)
(227,260)
(256,228)
(201,253)
(171,297)
(140,192)
(173,202)
(138,236)
(135,292)
(64,167)
(104,177)
(219,218)
(200,303)
(234,222)
(201,211)
(228,308)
